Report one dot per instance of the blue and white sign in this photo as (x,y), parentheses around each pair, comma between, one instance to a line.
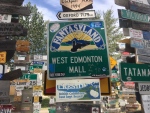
(78,90)
(37,63)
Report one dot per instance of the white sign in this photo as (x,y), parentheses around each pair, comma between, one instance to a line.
(144,88)
(38,57)
(5,18)
(19,93)
(20,87)
(143,59)
(136,33)
(76,15)
(36,106)
(78,90)
(146,103)
(21,58)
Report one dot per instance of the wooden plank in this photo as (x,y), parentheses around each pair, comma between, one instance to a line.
(10,9)
(12,2)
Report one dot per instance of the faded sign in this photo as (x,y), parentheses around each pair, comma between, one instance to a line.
(144,88)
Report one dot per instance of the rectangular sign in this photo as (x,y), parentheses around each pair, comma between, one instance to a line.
(77,50)
(136,43)
(12,2)
(143,59)
(146,103)
(138,34)
(5,18)
(4,88)
(5,100)
(144,88)
(2,57)
(127,14)
(37,63)
(134,72)
(78,90)
(38,57)
(76,15)
(71,107)
(145,52)
(29,76)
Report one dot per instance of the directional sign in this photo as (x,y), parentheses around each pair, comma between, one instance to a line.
(2,57)
(134,72)
(113,62)
(76,4)
(76,15)
(127,14)
(78,49)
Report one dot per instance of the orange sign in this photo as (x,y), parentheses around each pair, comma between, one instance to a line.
(113,62)
(76,4)
(3,57)
(50,86)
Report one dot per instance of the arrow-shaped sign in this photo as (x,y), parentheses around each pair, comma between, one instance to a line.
(76,15)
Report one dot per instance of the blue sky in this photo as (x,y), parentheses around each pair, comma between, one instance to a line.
(50,8)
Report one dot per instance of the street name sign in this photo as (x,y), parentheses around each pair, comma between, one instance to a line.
(76,15)
(127,14)
(134,72)
(77,49)
(144,88)
(11,9)
(76,4)
(29,76)
(37,63)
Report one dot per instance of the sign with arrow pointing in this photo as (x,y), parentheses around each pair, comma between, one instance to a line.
(76,15)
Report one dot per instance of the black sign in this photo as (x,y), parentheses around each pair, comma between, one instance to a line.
(77,108)
(7,45)
(12,29)
(125,23)
(6,9)
(12,75)
(5,100)
(12,2)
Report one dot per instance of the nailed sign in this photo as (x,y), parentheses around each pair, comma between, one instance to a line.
(77,49)
(76,4)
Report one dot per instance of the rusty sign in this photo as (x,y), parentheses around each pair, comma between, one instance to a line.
(11,9)
(12,2)
(76,4)
(22,46)
(12,29)
(2,57)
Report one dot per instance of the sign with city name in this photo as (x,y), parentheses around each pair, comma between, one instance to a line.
(134,72)
(76,4)
(127,14)
(144,88)
(11,9)
(12,2)
(76,15)
(77,49)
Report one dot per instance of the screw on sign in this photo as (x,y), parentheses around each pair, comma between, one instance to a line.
(22,46)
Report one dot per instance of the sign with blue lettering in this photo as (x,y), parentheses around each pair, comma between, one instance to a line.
(78,90)
(37,63)
(77,49)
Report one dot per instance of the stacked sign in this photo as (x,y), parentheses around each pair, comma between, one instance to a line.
(137,19)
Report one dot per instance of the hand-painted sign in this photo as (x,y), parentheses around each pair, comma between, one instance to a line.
(127,14)
(144,88)
(78,90)
(136,33)
(2,57)
(83,48)
(77,108)
(134,72)
(5,18)
(76,15)
(144,52)
(76,4)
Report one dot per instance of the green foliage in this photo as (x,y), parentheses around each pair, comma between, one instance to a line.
(45,103)
(36,29)
(113,31)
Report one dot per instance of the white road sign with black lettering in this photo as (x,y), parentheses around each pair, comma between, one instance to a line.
(144,88)
(76,15)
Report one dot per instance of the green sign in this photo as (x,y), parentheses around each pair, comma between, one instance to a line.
(29,76)
(135,16)
(77,49)
(135,72)
(32,67)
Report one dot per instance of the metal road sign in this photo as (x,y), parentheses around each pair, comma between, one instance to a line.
(113,62)
(29,76)
(37,63)
(76,15)
(134,72)
(144,88)
(77,49)
(2,57)
(127,14)
(76,4)
(144,52)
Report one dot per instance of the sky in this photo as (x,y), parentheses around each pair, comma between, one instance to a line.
(50,8)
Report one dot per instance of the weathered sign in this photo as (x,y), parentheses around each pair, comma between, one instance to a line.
(20,58)
(83,48)
(76,4)
(6,108)
(11,9)
(134,72)
(7,45)
(5,18)
(144,88)
(76,15)
(143,59)
(12,2)
(136,33)
(2,57)
(146,103)
(145,52)
(77,108)
(78,90)
(5,100)
(127,14)
(4,89)
(136,43)
(22,46)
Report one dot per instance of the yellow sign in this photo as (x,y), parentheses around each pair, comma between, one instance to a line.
(17,98)
(36,88)
(36,70)
(36,99)
(3,57)
(113,62)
